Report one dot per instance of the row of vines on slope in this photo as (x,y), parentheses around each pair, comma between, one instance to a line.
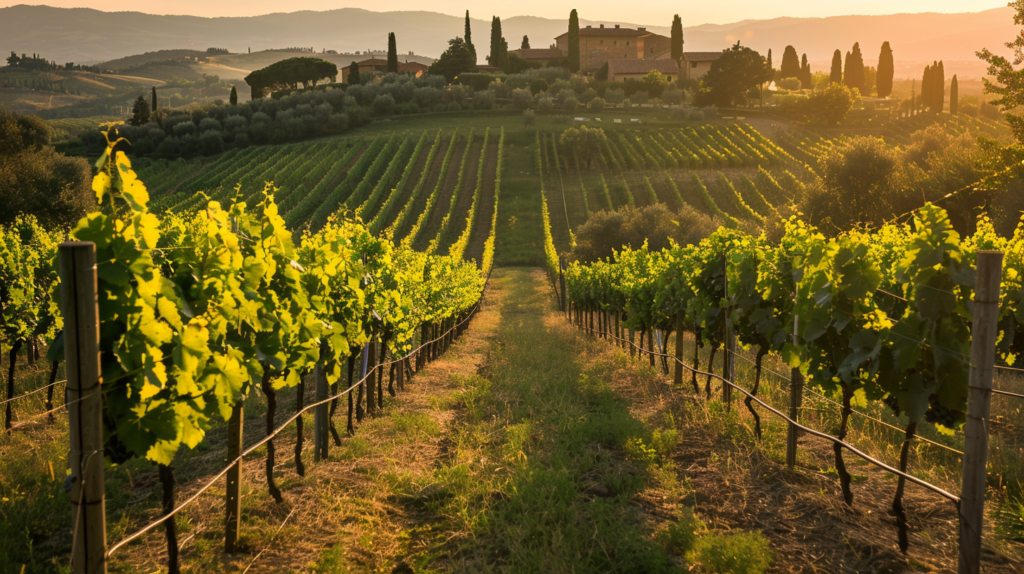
(875,316)
(199,310)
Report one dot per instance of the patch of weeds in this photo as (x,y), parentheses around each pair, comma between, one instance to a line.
(681,536)
(1011,519)
(476,391)
(332,560)
(354,448)
(413,426)
(664,443)
(833,473)
(640,453)
(517,440)
(736,553)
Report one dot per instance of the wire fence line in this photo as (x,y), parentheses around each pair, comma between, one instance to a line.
(922,483)
(213,481)
(29,393)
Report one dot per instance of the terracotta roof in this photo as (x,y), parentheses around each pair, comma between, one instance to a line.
(627,32)
(537,53)
(412,67)
(373,62)
(701,56)
(642,66)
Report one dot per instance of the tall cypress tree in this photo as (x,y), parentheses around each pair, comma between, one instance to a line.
(469,37)
(233,99)
(939,88)
(806,78)
(836,76)
(526,43)
(926,85)
(353,73)
(392,54)
(677,38)
(886,70)
(493,58)
(853,76)
(771,67)
(152,102)
(574,42)
(503,56)
(790,64)
(954,97)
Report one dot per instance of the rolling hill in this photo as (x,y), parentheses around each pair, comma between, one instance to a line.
(73,34)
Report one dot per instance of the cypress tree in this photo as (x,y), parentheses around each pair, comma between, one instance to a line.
(677,38)
(353,73)
(926,85)
(836,76)
(806,78)
(152,103)
(495,41)
(790,64)
(939,88)
(469,38)
(526,43)
(392,54)
(503,56)
(954,97)
(854,76)
(574,41)
(234,96)
(770,66)
(886,70)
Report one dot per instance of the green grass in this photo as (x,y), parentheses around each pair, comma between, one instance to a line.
(540,431)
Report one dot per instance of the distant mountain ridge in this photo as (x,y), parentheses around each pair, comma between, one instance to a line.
(84,35)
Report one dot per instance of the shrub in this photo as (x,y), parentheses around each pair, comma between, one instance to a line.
(606,231)
(791,84)
(545,104)
(627,104)
(830,105)
(680,536)
(483,100)
(614,96)
(588,95)
(570,104)
(597,104)
(739,553)
(383,105)
(539,85)
(529,118)
(521,99)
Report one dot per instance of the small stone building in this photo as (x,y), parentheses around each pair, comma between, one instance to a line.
(601,44)
(621,70)
(697,64)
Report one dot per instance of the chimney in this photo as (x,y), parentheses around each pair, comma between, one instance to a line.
(602,25)
(616,26)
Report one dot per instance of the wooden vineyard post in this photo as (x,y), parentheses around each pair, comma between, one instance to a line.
(79,304)
(320,416)
(796,394)
(679,349)
(983,350)
(561,283)
(233,491)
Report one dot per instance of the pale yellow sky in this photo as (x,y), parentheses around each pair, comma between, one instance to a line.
(718,12)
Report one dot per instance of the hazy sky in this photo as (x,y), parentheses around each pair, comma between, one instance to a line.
(652,12)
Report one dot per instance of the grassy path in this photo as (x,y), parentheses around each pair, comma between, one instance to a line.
(521,467)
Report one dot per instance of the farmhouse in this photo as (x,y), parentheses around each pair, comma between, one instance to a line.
(598,45)
(542,56)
